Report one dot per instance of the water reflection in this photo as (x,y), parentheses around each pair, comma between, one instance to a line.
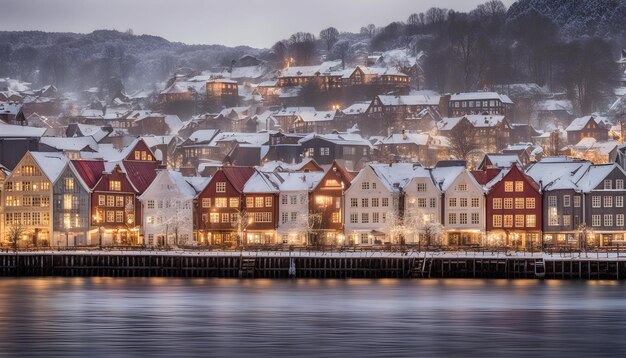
(343,318)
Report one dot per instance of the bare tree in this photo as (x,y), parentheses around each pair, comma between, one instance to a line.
(240,224)
(341,50)
(330,36)
(433,234)
(302,46)
(14,234)
(314,225)
(463,140)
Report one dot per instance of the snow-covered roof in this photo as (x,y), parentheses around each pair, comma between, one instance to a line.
(260,182)
(72,143)
(203,135)
(556,173)
(294,181)
(339,138)
(555,105)
(356,108)
(50,163)
(255,139)
(317,116)
(10,130)
(445,176)
(406,138)
(293,111)
(595,174)
(477,120)
(472,96)
(397,176)
(11,108)
(580,123)
(410,100)
(502,160)
(174,123)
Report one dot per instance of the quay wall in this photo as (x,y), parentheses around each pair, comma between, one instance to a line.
(282,267)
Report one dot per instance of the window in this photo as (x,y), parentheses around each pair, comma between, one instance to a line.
(119,201)
(452,202)
(508,220)
(283,199)
(497,203)
(475,202)
(519,186)
(433,202)
(67,201)
(462,187)
(608,184)
(519,220)
(595,220)
(508,203)
(365,218)
(497,221)
(151,204)
(225,218)
(519,203)
(608,201)
(294,216)
(354,218)
(262,217)
(552,201)
(463,202)
(421,202)
(293,199)
(385,202)
(452,218)
(619,201)
(374,202)
(619,220)
(566,201)
(119,216)
(137,155)
(110,200)
(268,201)
(284,217)
(101,200)
(214,218)
(110,216)
(619,184)
(354,202)
(220,187)
(375,218)
(115,185)
(233,202)
(365,185)
(324,151)
(258,202)
(421,186)
(577,201)
(567,220)
(249,202)
(553,216)
(69,184)
(206,202)
(531,221)
(220,202)
(608,220)
(508,186)
(364,202)
(475,218)
(463,218)
(595,201)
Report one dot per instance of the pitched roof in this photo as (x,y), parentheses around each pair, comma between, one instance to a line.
(477,120)
(140,174)
(89,170)
(469,96)
(580,123)
(409,100)
(260,182)
(50,163)
(238,176)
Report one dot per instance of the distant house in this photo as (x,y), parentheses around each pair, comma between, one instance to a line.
(351,149)
(493,131)
(11,113)
(588,126)
(175,93)
(460,104)
(222,91)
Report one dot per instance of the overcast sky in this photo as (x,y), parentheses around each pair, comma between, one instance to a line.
(257,23)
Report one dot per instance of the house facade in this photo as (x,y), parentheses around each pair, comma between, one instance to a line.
(260,195)
(464,208)
(294,224)
(71,209)
(514,216)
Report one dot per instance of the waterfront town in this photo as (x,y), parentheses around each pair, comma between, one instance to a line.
(375,163)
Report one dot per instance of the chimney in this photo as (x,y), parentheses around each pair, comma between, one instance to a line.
(444,105)
(404,135)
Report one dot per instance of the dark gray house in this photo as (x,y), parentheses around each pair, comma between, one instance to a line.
(351,150)
(71,210)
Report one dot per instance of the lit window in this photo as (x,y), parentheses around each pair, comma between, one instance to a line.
(508,220)
(519,220)
(206,202)
(519,186)
(69,184)
(519,203)
(220,187)
(497,221)
(497,203)
(508,203)
(233,202)
(115,185)
(508,186)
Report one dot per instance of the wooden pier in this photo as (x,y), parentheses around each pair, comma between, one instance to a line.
(240,266)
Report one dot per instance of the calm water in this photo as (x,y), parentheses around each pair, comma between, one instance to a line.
(342,318)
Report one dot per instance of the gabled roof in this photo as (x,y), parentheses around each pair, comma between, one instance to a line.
(140,174)
(409,100)
(595,174)
(13,131)
(513,169)
(89,170)
(260,182)
(558,172)
(445,176)
(477,120)
(406,138)
(238,176)
(397,176)
(469,96)
(71,143)
(338,138)
(291,181)
(580,123)
(50,163)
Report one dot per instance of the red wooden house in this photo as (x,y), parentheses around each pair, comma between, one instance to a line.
(326,210)
(261,209)
(220,211)
(513,209)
